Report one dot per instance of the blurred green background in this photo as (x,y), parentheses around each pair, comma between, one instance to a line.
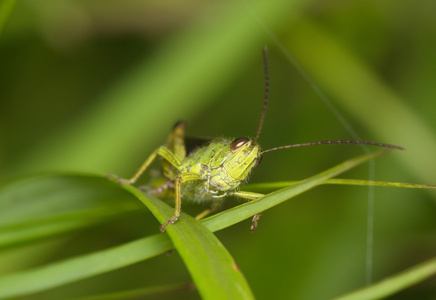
(95,87)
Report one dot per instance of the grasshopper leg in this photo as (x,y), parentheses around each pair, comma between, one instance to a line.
(157,190)
(255,221)
(178,198)
(253,197)
(177,208)
(161,151)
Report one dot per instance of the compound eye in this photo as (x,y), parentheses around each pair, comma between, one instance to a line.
(258,160)
(238,143)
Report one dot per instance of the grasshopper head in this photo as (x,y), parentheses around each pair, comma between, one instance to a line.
(248,147)
(244,156)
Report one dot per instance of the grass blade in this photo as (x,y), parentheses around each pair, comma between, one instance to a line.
(265,186)
(211,266)
(70,270)
(214,271)
(42,206)
(246,210)
(396,283)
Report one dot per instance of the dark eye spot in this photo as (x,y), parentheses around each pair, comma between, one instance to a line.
(238,143)
(258,160)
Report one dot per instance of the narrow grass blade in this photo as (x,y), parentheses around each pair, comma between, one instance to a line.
(70,270)
(379,183)
(246,210)
(266,186)
(396,283)
(43,206)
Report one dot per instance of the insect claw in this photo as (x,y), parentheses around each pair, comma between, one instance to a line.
(255,221)
(125,181)
(112,176)
(146,188)
(157,190)
(119,180)
(169,222)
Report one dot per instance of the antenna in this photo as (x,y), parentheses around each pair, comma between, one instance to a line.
(265,99)
(262,118)
(334,142)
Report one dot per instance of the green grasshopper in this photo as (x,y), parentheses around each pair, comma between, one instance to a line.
(217,169)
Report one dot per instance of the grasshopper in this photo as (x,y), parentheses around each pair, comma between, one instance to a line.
(217,169)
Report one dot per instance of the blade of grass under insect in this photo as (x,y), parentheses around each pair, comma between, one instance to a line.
(213,269)
(342,181)
(185,232)
(394,284)
(211,266)
(197,245)
(266,186)
(246,210)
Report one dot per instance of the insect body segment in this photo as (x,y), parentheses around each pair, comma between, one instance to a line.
(220,168)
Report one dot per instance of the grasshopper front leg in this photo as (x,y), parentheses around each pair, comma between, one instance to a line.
(178,201)
(253,197)
(174,161)
(161,151)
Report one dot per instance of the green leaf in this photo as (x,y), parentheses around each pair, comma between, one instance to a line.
(246,210)
(84,266)
(43,206)
(396,283)
(211,266)
(264,186)
(213,269)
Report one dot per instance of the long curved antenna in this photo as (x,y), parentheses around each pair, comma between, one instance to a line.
(265,99)
(334,142)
